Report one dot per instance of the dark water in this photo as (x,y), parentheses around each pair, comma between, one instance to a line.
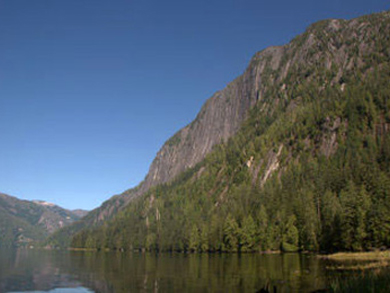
(81,272)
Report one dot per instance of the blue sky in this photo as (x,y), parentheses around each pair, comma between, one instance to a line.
(91,89)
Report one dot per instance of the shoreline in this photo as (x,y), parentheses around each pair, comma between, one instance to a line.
(358,261)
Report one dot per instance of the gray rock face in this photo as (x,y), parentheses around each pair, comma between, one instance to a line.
(220,118)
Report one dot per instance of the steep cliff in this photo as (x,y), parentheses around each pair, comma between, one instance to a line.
(220,118)
(327,44)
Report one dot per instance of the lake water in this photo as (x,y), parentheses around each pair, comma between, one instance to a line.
(27,270)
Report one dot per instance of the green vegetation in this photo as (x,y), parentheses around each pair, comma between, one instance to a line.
(17,232)
(62,237)
(359,271)
(373,281)
(174,140)
(18,221)
(354,261)
(336,203)
(308,170)
(358,256)
(25,223)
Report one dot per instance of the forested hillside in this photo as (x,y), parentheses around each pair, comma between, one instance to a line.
(25,222)
(308,169)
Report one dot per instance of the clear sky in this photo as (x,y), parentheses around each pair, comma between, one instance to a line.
(91,89)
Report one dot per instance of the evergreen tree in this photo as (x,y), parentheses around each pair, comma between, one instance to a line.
(194,241)
(262,232)
(231,232)
(248,234)
(291,235)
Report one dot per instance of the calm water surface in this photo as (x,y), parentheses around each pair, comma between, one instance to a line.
(26,270)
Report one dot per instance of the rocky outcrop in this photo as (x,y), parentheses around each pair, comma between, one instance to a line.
(272,165)
(218,120)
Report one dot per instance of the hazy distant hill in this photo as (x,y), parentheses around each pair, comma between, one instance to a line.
(292,154)
(79,213)
(23,222)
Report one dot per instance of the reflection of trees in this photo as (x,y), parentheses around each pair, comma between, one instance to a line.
(128,272)
(116,272)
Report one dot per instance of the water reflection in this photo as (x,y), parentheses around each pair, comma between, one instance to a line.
(60,290)
(29,270)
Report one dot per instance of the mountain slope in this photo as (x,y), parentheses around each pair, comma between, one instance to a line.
(94,218)
(23,222)
(306,165)
(220,118)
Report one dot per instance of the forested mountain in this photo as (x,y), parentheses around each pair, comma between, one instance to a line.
(294,154)
(94,218)
(24,222)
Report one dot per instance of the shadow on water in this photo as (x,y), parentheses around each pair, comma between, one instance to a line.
(29,270)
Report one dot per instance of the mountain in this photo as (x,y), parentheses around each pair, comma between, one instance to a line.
(293,154)
(79,213)
(72,215)
(219,119)
(23,222)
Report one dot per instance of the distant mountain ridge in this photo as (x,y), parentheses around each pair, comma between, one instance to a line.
(24,222)
(79,212)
